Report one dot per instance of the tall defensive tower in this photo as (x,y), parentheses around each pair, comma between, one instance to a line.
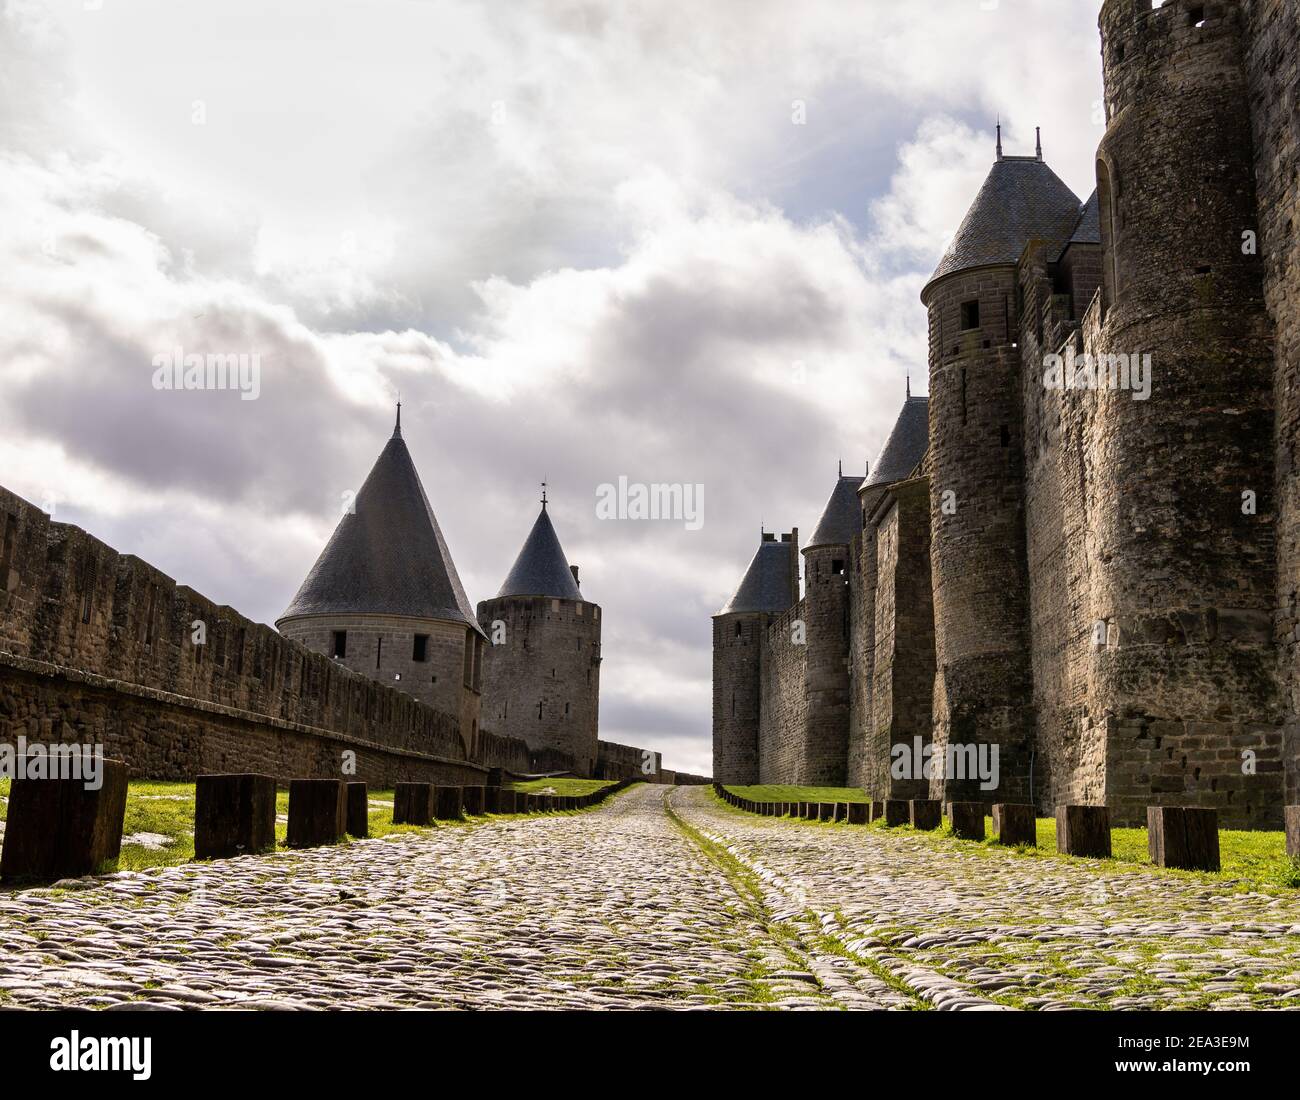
(384,598)
(769,587)
(1181,504)
(983,683)
(541,673)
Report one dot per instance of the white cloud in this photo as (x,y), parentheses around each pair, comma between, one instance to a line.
(600,278)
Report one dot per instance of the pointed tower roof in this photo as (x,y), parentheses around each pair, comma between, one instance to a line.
(906,445)
(388,555)
(766,583)
(541,568)
(842,516)
(1021,199)
(1088,228)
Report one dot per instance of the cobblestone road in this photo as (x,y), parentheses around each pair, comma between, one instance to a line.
(660,898)
(971,926)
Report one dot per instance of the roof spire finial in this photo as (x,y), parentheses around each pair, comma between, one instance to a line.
(543,494)
(397,429)
(841,467)
(1039,131)
(909,381)
(999,137)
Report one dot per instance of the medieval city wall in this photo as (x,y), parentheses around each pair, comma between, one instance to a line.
(782,735)
(97,646)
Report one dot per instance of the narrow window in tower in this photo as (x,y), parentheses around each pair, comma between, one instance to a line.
(539,712)
(340,644)
(420,651)
(737,628)
(1196,15)
(1006,436)
(566,710)
(733,704)
(837,567)
(970,315)
(379,651)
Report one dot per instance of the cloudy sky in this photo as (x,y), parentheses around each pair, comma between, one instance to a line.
(678,242)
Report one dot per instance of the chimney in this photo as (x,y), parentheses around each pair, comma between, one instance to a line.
(574,570)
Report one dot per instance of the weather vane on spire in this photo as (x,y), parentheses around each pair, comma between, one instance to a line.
(397,430)
(999,137)
(543,494)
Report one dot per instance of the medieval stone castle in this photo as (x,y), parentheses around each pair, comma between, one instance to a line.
(1100,582)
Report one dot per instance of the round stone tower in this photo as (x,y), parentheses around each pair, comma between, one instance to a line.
(541,675)
(384,598)
(826,616)
(769,587)
(983,691)
(1181,510)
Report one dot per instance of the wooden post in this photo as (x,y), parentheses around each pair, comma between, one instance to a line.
(56,828)
(1014,824)
(413,804)
(472,798)
(358,814)
(318,812)
(448,803)
(1083,831)
(1293,831)
(967,819)
(1183,836)
(897,812)
(925,813)
(234,815)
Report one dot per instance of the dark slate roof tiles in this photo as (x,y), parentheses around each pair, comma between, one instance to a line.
(1022,199)
(766,584)
(906,445)
(388,555)
(842,516)
(541,568)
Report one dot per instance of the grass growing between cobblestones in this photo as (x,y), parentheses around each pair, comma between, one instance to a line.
(776,792)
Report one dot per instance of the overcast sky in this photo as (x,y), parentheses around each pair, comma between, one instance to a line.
(678,242)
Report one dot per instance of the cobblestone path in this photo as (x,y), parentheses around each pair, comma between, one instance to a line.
(970,926)
(661,898)
(616,907)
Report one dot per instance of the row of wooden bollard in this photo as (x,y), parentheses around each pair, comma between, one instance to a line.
(1185,837)
(56,828)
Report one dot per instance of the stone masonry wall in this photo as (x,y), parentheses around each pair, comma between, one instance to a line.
(1273,73)
(783,701)
(98,646)
(541,674)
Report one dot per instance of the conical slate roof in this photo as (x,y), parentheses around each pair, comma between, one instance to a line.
(541,568)
(842,516)
(1088,228)
(388,555)
(1022,199)
(766,583)
(906,445)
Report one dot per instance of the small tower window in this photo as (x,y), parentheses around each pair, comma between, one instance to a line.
(738,628)
(970,315)
(566,710)
(837,567)
(340,644)
(420,651)
(539,712)
(379,651)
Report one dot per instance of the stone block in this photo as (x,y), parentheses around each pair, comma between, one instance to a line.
(925,813)
(57,829)
(318,812)
(877,810)
(472,800)
(859,813)
(448,803)
(358,812)
(413,804)
(841,811)
(1083,831)
(491,800)
(508,801)
(1186,837)
(234,815)
(897,812)
(967,819)
(1014,824)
